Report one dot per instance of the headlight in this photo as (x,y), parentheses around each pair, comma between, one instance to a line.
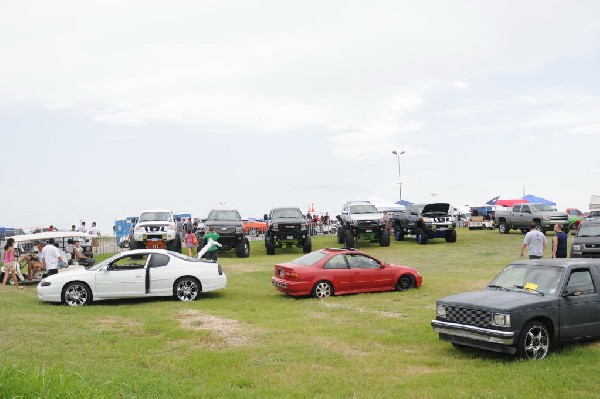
(239,229)
(440,310)
(172,226)
(576,247)
(303,227)
(138,228)
(545,217)
(380,221)
(426,220)
(275,226)
(501,319)
(354,222)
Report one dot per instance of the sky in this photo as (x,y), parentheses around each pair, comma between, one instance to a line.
(109,107)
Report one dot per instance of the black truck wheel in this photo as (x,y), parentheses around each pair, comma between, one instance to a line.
(421,237)
(270,246)
(450,236)
(307,245)
(398,233)
(341,234)
(242,249)
(384,240)
(503,228)
(349,238)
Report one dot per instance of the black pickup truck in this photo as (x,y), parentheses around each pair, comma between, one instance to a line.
(228,224)
(425,222)
(287,227)
(527,309)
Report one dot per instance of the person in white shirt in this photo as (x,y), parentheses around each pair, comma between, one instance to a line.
(50,257)
(82,228)
(535,242)
(95,232)
(80,257)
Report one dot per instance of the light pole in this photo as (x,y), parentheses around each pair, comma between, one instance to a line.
(397,154)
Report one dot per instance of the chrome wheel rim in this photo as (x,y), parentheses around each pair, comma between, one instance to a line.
(253,233)
(187,290)
(76,295)
(536,342)
(322,290)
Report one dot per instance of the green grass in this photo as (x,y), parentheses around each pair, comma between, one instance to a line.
(268,345)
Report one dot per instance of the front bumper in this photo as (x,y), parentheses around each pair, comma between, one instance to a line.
(50,293)
(455,332)
(438,230)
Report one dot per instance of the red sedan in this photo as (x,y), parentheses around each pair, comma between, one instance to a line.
(341,271)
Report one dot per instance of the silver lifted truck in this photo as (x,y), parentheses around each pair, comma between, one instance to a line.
(360,220)
(521,216)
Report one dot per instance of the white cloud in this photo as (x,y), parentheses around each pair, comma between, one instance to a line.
(459,84)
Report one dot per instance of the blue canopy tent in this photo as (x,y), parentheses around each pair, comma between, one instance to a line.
(538,200)
(403,202)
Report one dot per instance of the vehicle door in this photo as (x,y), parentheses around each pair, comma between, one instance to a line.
(580,306)
(520,216)
(368,274)
(159,277)
(337,270)
(123,277)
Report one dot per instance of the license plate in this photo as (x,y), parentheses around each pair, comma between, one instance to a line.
(368,231)
(290,237)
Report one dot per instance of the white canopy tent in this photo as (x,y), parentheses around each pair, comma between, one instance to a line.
(385,206)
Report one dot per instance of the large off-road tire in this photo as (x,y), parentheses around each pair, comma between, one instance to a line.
(242,249)
(270,246)
(322,290)
(450,236)
(76,294)
(254,232)
(307,245)
(349,238)
(524,231)
(186,288)
(405,282)
(135,245)
(398,233)
(341,235)
(384,240)
(534,341)
(503,228)
(421,237)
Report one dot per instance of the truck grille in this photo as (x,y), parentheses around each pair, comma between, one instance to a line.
(367,223)
(154,229)
(472,317)
(564,218)
(289,227)
(225,230)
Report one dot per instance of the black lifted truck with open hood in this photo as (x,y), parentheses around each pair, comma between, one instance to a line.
(425,222)
(287,228)
(228,224)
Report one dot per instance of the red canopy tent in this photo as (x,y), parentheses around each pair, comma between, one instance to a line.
(511,202)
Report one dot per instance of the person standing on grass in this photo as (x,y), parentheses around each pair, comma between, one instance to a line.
(190,241)
(10,264)
(51,257)
(559,242)
(95,233)
(211,254)
(535,241)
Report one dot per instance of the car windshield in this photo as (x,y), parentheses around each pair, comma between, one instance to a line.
(287,214)
(541,207)
(529,278)
(366,208)
(309,259)
(155,216)
(225,216)
(588,230)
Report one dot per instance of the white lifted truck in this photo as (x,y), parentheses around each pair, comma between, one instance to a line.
(156,229)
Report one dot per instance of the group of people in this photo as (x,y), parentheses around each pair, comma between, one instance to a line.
(535,242)
(48,257)
(191,242)
(94,231)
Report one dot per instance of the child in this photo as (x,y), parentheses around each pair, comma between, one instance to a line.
(190,241)
(211,254)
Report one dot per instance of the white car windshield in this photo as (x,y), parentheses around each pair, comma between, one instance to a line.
(155,216)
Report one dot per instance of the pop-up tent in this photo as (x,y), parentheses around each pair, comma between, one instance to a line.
(385,206)
(524,200)
(538,200)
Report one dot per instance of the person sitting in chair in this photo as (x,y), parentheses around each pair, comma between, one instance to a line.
(80,257)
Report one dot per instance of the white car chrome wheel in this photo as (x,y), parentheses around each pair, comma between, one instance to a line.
(186,289)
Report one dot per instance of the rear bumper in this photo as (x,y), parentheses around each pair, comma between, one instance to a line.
(294,288)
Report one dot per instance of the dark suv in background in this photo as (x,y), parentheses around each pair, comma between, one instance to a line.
(586,243)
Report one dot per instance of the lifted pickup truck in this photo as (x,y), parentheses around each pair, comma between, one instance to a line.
(521,216)
(527,309)
(425,222)
(287,227)
(360,220)
(228,224)
(156,229)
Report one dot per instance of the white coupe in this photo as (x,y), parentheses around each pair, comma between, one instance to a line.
(134,274)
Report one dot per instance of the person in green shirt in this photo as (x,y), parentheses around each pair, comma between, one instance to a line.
(211,254)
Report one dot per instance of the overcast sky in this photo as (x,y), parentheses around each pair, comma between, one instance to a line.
(111,107)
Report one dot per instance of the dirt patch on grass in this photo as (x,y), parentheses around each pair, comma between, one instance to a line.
(382,313)
(245,268)
(229,332)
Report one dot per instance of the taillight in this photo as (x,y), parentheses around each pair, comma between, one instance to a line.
(292,274)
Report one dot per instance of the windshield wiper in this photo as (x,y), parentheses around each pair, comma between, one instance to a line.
(529,289)
(498,286)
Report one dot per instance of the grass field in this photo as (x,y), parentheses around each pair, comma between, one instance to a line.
(249,341)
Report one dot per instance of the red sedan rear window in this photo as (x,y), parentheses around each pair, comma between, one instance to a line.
(309,259)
